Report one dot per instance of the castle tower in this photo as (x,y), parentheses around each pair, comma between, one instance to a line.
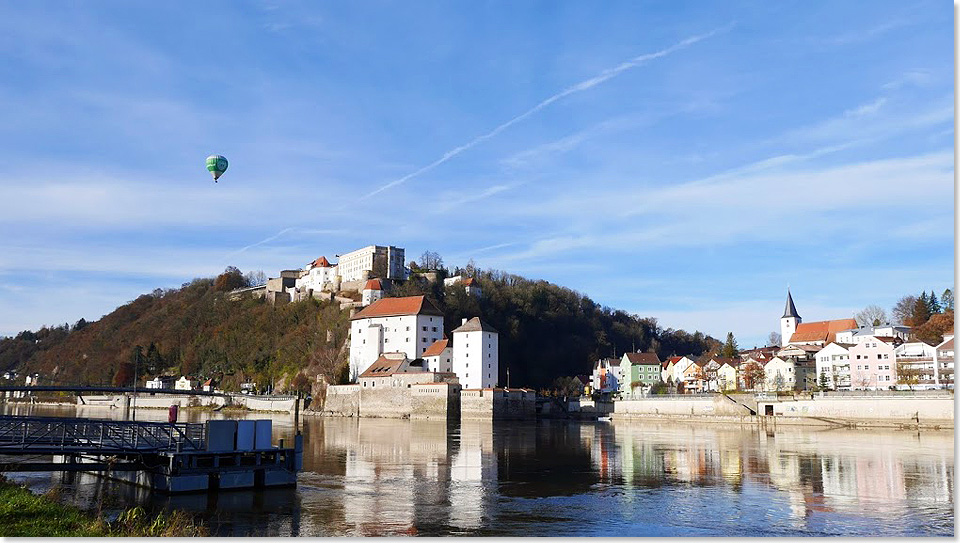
(789,321)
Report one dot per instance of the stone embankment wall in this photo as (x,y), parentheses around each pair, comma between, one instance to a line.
(498,404)
(163,401)
(867,411)
(889,411)
(429,401)
(421,401)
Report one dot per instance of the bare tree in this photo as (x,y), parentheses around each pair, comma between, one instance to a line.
(430,260)
(774,339)
(872,315)
(255,278)
(903,310)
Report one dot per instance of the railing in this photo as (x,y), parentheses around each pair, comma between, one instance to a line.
(90,435)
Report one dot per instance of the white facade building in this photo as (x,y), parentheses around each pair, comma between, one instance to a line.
(789,321)
(372,292)
(780,374)
(318,275)
(833,362)
(372,261)
(859,335)
(916,366)
(408,325)
(943,359)
(184,383)
(439,357)
(476,359)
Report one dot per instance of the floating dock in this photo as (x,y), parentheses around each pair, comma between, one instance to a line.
(163,456)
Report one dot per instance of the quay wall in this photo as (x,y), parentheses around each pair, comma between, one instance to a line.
(429,401)
(163,401)
(498,404)
(342,401)
(879,411)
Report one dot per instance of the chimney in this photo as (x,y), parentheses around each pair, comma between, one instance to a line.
(463,321)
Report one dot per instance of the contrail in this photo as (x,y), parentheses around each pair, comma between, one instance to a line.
(261,242)
(605,75)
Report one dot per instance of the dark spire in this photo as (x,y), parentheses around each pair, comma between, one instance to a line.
(790,310)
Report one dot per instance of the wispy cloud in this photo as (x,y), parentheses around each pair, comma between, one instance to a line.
(866,109)
(584,85)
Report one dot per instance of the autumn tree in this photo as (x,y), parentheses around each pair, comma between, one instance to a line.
(872,315)
(230,279)
(753,375)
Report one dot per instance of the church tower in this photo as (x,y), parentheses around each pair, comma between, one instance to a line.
(789,321)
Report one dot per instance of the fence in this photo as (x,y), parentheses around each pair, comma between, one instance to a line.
(25,434)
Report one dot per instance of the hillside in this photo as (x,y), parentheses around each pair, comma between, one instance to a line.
(546,331)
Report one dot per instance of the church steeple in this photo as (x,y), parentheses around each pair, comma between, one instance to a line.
(790,310)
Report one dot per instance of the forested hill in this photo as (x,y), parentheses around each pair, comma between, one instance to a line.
(546,331)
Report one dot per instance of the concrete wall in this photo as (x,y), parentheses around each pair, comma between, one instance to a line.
(387,402)
(435,401)
(715,406)
(868,410)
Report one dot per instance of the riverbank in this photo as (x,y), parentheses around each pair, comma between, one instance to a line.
(25,514)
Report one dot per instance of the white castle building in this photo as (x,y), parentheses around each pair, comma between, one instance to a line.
(372,261)
(408,325)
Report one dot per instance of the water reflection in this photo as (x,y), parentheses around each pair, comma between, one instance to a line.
(390,477)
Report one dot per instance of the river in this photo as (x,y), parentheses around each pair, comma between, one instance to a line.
(554,478)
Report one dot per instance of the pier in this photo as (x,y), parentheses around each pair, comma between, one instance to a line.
(164,456)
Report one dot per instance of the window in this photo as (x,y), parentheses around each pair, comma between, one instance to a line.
(408,328)
(434,328)
(489,355)
(386,340)
(878,355)
(408,340)
(466,365)
(424,340)
(467,355)
(886,356)
(424,328)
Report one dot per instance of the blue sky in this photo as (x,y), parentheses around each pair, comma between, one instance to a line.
(682,160)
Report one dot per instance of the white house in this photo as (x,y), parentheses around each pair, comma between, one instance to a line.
(409,325)
(161,382)
(319,275)
(943,360)
(916,367)
(185,383)
(780,374)
(476,359)
(873,364)
(385,262)
(372,292)
(439,356)
(471,285)
(674,369)
(833,366)
(607,375)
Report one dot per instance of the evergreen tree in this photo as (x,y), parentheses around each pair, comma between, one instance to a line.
(823,380)
(729,347)
(933,303)
(921,310)
(946,300)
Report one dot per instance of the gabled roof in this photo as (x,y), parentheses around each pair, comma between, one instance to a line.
(946,345)
(790,310)
(437,348)
(321,263)
(469,281)
(825,331)
(643,358)
(475,325)
(387,364)
(373,284)
(728,361)
(674,359)
(394,307)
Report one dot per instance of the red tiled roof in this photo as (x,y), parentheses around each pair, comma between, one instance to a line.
(321,263)
(468,281)
(946,346)
(437,348)
(394,307)
(384,366)
(643,358)
(886,339)
(731,361)
(825,331)
(373,284)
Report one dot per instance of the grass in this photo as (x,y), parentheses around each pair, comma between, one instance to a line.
(25,514)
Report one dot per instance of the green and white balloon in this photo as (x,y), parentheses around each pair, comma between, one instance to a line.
(216,165)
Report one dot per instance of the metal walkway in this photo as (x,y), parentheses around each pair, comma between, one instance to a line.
(53,435)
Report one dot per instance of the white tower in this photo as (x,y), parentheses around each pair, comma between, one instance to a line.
(476,347)
(789,321)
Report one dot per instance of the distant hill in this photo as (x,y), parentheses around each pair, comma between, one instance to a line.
(546,331)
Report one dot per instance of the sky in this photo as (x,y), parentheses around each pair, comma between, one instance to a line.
(687,161)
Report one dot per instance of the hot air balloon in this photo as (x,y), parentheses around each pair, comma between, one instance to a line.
(216,165)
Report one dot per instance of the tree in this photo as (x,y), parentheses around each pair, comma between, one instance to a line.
(824,381)
(753,375)
(921,311)
(946,300)
(301,384)
(230,279)
(774,339)
(903,310)
(430,261)
(933,303)
(932,331)
(872,315)
(255,278)
(730,347)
